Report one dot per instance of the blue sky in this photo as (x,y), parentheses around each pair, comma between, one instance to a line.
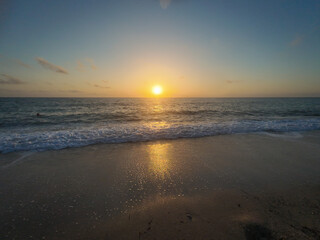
(193,48)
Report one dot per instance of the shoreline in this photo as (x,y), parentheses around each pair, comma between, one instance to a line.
(272,133)
(113,191)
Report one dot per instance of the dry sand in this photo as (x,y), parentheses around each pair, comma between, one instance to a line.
(246,186)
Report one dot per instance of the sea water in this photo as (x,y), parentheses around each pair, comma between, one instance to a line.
(76,122)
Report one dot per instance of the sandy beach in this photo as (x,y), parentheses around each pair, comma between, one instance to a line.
(159,120)
(242,186)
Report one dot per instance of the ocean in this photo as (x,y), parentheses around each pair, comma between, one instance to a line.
(76,122)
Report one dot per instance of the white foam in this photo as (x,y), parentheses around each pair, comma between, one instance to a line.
(129,132)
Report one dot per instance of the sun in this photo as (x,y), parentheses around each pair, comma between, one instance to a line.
(157,90)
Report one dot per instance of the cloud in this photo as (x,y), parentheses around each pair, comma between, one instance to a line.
(80,66)
(83,65)
(44,63)
(91,62)
(99,86)
(22,63)
(165,3)
(16,61)
(72,91)
(7,79)
(297,41)
(232,81)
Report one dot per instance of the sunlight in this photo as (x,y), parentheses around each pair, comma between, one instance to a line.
(157,90)
(159,159)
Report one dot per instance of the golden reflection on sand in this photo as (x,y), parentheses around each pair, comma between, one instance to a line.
(159,159)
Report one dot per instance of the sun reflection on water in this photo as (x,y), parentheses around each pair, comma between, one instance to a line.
(158,108)
(158,125)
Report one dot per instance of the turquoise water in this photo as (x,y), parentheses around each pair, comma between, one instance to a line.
(76,122)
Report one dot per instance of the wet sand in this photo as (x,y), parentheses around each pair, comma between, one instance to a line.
(245,186)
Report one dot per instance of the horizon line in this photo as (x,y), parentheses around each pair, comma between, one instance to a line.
(171,97)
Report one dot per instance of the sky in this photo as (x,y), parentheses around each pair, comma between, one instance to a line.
(192,48)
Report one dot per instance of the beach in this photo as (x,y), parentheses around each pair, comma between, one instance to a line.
(239,186)
(159,120)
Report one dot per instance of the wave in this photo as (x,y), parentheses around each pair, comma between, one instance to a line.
(130,132)
(116,115)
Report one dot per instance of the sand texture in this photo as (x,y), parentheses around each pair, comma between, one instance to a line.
(245,186)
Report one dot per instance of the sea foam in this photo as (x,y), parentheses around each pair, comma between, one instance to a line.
(134,132)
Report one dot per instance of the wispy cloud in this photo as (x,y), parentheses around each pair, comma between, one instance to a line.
(84,64)
(92,64)
(80,66)
(7,79)
(165,3)
(44,63)
(297,41)
(232,81)
(99,86)
(72,91)
(16,61)
(22,63)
